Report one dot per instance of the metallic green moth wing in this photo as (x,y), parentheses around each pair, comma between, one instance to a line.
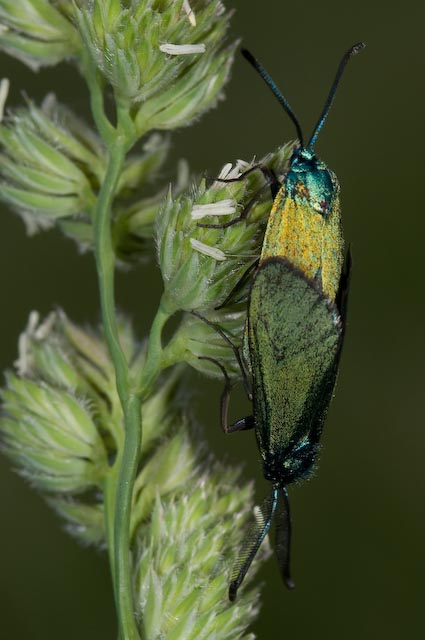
(295,335)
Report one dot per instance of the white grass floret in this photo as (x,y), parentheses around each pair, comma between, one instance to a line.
(181,49)
(190,13)
(207,250)
(4,92)
(220,208)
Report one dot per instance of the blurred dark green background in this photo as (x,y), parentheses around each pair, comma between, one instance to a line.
(359,525)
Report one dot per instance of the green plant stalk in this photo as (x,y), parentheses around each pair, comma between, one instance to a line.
(127,469)
(109,499)
(154,354)
(126,462)
(94,83)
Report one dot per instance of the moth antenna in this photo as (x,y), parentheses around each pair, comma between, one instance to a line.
(283,538)
(273,87)
(253,542)
(353,51)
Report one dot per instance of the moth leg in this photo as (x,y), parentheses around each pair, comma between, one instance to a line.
(283,539)
(234,348)
(240,425)
(240,283)
(272,182)
(244,424)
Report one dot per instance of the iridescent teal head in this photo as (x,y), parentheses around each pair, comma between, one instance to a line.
(305,153)
(309,179)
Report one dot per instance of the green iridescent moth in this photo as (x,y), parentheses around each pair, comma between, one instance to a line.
(294,330)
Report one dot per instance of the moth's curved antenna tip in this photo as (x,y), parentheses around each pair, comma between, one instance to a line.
(356,48)
(233,590)
(289,583)
(248,55)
